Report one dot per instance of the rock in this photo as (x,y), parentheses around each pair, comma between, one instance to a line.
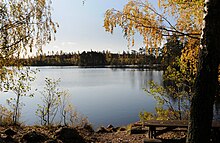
(114,129)
(88,127)
(10,132)
(9,139)
(110,126)
(137,130)
(103,130)
(122,129)
(69,135)
(117,128)
(34,137)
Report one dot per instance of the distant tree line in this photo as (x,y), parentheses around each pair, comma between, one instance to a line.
(164,56)
(92,58)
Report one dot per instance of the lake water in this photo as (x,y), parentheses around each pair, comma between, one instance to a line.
(104,95)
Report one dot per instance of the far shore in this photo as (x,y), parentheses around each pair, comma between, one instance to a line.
(151,67)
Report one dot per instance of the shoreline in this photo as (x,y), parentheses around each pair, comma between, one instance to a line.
(81,134)
(145,67)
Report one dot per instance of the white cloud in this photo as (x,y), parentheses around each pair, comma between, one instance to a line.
(69,43)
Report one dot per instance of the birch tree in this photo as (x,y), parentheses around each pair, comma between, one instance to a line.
(200,37)
(24,25)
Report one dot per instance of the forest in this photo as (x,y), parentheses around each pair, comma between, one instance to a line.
(158,58)
(92,58)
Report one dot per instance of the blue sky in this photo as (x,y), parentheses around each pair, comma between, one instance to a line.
(81,27)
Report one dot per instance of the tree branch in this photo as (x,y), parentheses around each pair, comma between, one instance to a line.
(171,28)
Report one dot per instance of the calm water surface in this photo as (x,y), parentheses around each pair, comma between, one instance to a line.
(104,95)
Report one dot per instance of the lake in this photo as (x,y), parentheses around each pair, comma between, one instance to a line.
(104,95)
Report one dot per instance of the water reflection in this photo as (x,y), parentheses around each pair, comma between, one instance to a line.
(104,95)
(216,110)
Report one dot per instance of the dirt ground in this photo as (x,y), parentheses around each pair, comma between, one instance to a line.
(37,134)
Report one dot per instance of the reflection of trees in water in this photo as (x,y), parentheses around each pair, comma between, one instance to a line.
(141,77)
(133,77)
(153,76)
(149,75)
(216,109)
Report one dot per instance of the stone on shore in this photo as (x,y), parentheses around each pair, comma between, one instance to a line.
(69,135)
(102,130)
(137,130)
(10,132)
(34,137)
